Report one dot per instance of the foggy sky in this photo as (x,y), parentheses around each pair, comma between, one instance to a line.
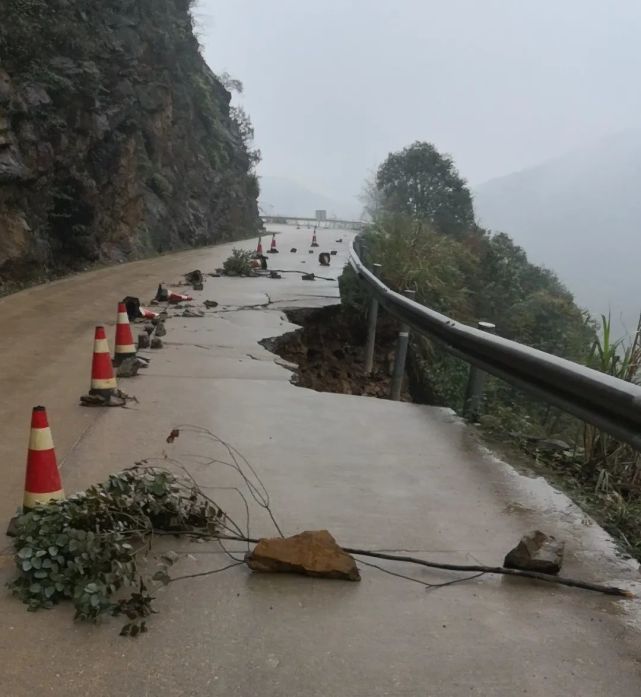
(332,86)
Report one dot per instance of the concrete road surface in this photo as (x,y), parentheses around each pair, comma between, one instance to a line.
(377,474)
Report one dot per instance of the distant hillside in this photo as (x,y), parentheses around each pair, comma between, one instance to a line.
(286,197)
(579,215)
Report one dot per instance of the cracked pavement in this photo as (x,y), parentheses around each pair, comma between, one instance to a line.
(377,474)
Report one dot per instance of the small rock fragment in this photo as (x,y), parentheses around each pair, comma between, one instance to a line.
(333,252)
(293,250)
(308,277)
(143,341)
(156,343)
(195,276)
(274,274)
(192,313)
(160,329)
(536,551)
(209,304)
(128,368)
(311,553)
(149,328)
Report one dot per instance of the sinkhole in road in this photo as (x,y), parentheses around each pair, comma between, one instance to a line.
(329,351)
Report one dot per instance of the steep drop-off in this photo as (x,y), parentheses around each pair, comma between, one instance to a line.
(116,139)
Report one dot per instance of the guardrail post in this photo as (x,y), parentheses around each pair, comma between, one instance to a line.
(372,317)
(401,355)
(476,384)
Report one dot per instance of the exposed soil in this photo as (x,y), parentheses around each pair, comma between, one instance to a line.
(329,350)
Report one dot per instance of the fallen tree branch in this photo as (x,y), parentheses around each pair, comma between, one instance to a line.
(479,568)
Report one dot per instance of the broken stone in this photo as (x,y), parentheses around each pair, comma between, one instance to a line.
(308,277)
(128,368)
(149,328)
(536,552)
(143,341)
(156,343)
(333,252)
(274,274)
(197,286)
(209,304)
(133,307)
(192,313)
(195,276)
(340,239)
(323,259)
(311,553)
(160,329)
(293,250)
(311,251)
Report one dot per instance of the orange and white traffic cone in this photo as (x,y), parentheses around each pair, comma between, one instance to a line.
(146,313)
(272,249)
(42,481)
(174,297)
(314,242)
(259,247)
(124,345)
(103,381)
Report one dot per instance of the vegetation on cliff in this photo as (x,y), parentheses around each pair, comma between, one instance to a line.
(116,139)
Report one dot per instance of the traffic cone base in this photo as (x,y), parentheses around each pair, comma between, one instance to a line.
(42,481)
(103,381)
(124,344)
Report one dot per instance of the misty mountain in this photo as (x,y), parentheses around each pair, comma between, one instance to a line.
(285,197)
(579,215)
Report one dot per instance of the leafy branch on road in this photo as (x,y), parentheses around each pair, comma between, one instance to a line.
(85,549)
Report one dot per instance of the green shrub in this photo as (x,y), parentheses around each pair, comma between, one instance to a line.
(81,550)
(239,263)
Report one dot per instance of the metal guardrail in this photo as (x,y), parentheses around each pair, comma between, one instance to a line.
(607,402)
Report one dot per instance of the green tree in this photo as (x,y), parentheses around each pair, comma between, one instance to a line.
(421,182)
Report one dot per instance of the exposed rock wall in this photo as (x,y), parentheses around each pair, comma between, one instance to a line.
(116,140)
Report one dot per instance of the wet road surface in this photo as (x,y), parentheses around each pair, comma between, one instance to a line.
(377,474)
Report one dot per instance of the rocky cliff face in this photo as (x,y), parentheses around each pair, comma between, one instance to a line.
(116,140)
